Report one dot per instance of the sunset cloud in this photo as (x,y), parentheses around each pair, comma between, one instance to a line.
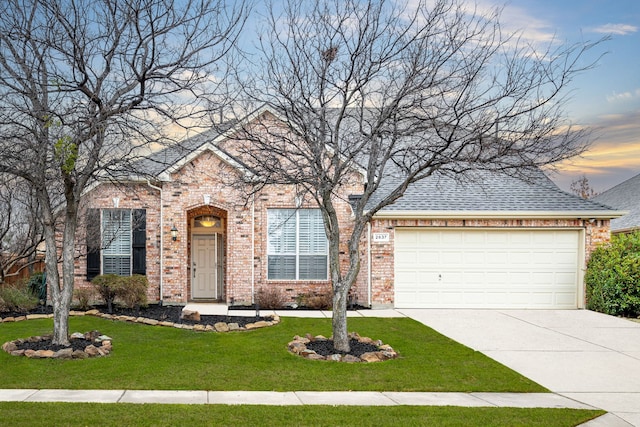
(614,154)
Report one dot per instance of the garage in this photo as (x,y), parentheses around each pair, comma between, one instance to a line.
(487,268)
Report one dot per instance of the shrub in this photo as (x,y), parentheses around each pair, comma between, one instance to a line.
(17,297)
(133,292)
(270,298)
(317,300)
(83,297)
(613,276)
(107,286)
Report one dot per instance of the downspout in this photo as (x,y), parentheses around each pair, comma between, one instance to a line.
(369,267)
(161,242)
(253,246)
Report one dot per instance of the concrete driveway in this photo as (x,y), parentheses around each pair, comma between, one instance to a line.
(587,356)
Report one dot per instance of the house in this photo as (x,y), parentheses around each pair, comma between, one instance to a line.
(626,197)
(496,242)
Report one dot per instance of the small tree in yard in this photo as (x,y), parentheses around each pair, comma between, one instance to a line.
(87,84)
(397,94)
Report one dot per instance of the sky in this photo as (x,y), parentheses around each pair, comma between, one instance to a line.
(607,98)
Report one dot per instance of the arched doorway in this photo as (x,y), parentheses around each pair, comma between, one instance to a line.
(208,255)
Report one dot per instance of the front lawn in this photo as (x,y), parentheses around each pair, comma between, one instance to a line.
(121,414)
(151,357)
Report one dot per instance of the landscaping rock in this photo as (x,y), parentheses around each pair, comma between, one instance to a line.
(221,327)
(9,346)
(371,357)
(192,316)
(37,316)
(296,347)
(91,351)
(79,354)
(350,359)
(65,353)
(42,354)
(234,326)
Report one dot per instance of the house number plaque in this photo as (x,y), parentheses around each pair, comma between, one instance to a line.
(380,237)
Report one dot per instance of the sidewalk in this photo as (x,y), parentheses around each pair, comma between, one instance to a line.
(342,398)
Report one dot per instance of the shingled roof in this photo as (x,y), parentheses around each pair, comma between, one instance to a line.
(624,196)
(438,194)
(494,192)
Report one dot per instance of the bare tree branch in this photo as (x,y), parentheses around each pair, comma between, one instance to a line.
(86,86)
(397,93)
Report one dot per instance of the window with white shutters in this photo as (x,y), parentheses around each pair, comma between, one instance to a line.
(297,245)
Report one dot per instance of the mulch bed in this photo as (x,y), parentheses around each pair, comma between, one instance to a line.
(161,313)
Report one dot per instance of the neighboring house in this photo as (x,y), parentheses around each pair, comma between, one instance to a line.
(626,197)
(498,242)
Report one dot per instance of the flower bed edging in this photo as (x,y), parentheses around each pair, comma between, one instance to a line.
(299,347)
(218,327)
(99,345)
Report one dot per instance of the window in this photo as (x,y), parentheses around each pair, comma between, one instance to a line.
(297,245)
(116,242)
(116,238)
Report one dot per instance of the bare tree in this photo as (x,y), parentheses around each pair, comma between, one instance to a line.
(582,188)
(85,85)
(20,227)
(397,94)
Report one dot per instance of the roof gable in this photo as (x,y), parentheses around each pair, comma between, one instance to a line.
(624,196)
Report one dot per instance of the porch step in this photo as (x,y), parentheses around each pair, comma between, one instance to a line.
(208,309)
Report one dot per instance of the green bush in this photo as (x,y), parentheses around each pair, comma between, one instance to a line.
(131,291)
(17,297)
(613,276)
(107,286)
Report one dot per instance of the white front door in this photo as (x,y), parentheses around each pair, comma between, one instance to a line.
(204,266)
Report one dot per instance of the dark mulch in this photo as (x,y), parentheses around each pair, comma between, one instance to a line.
(168,313)
(77,344)
(325,347)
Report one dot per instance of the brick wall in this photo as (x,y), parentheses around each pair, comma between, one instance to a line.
(129,196)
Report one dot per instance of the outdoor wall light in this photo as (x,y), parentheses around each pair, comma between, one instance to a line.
(174,233)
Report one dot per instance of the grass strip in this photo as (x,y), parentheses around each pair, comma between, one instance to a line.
(83,414)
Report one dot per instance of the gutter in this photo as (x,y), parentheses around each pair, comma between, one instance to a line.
(407,214)
(161,242)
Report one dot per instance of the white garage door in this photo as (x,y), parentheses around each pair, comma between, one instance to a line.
(486,268)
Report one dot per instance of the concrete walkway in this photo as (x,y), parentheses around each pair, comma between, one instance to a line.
(586,356)
(341,398)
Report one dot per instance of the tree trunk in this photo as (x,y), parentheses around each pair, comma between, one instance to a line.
(339,318)
(62,305)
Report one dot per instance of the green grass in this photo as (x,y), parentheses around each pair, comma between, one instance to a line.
(120,414)
(147,357)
